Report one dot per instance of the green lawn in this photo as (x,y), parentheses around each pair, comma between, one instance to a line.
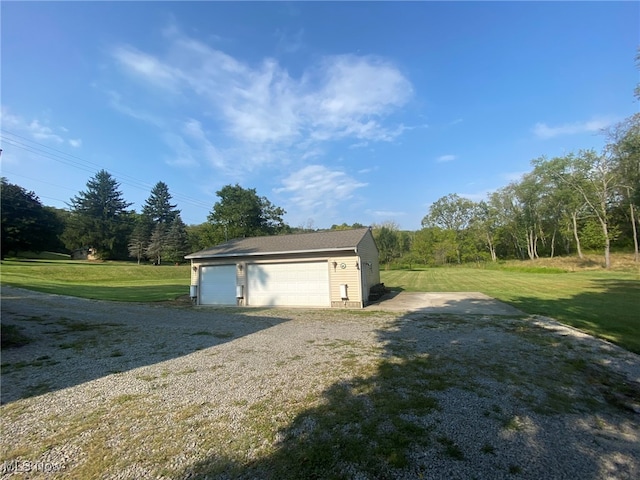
(121,281)
(605,304)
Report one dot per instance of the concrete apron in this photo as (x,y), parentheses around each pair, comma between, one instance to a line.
(455,303)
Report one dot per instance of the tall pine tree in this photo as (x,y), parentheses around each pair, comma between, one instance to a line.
(140,237)
(157,244)
(158,214)
(158,206)
(100,218)
(176,241)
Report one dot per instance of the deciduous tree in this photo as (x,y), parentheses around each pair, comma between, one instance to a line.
(451,212)
(242,213)
(26,224)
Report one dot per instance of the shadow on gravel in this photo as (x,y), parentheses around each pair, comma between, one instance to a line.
(58,342)
(451,397)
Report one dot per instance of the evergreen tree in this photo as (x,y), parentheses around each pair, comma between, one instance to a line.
(140,237)
(158,206)
(100,218)
(147,237)
(157,243)
(176,241)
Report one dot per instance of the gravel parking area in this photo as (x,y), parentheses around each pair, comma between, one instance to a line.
(117,390)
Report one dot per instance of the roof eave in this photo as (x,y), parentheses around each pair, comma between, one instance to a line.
(196,255)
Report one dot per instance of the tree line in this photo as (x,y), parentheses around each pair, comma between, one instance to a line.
(564,205)
(99,219)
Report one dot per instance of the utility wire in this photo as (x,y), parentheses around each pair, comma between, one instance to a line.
(85,165)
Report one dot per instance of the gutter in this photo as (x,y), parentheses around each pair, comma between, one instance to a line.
(195,256)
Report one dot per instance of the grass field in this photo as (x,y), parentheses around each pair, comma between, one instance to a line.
(120,281)
(602,303)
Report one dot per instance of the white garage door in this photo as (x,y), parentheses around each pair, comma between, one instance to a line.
(218,285)
(288,284)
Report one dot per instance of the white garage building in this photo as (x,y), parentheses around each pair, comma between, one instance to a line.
(336,268)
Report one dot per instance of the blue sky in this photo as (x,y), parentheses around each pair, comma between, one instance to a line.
(338,112)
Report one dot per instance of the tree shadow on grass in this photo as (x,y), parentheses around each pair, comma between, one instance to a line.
(609,310)
(67,341)
(448,397)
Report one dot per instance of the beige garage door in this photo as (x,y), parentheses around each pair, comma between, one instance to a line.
(288,284)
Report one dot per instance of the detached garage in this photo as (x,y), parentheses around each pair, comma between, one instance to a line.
(336,268)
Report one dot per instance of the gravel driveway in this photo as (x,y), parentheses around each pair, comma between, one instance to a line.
(117,390)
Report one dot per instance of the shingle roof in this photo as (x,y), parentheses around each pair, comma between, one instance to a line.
(332,240)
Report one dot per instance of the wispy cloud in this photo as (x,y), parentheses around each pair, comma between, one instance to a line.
(289,43)
(36,128)
(446,158)
(317,188)
(117,103)
(477,196)
(386,214)
(192,147)
(342,96)
(512,176)
(147,67)
(544,131)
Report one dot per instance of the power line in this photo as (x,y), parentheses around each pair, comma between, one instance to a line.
(85,165)
(36,180)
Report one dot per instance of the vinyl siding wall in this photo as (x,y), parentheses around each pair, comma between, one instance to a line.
(350,276)
(368,253)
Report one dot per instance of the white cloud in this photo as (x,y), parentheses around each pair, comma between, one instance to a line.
(116,102)
(446,158)
(288,43)
(386,213)
(315,188)
(477,196)
(263,108)
(75,143)
(147,67)
(192,147)
(512,176)
(35,129)
(544,131)
(43,132)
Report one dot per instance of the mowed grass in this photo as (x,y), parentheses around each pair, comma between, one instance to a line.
(119,281)
(603,303)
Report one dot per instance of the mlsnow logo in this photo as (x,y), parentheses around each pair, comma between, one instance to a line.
(24,466)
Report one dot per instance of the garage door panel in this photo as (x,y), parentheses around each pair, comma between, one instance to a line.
(288,284)
(218,285)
